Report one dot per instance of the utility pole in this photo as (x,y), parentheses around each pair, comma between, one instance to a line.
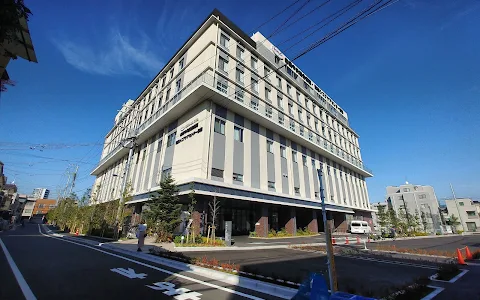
(456,204)
(328,239)
(74,177)
(124,186)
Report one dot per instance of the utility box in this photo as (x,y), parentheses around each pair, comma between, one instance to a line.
(228,233)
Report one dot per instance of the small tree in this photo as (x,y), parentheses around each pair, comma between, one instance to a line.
(424,221)
(191,210)
(382,216)
(453,221)
(214,211)
(165,209)
(393,220)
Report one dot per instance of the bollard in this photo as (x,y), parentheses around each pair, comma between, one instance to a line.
(365,245)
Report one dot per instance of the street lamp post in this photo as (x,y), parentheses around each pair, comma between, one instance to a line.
(328,239)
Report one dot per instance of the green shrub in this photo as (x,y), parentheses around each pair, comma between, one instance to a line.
(448,271)
(459,231)
(253,234)
(177,239)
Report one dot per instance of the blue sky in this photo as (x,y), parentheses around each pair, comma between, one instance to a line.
(408,77)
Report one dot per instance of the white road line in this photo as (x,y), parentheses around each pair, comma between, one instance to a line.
(390,262)
(27,292)
(158,269)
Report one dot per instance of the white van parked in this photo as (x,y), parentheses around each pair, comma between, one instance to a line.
(360,227)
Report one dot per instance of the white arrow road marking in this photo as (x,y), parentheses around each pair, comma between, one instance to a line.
(130,273)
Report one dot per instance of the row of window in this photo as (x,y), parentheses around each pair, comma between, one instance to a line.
(240,76)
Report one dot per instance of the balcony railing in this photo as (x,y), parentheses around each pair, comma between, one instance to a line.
(283,118)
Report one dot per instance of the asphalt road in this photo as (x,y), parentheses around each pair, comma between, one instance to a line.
(440,243)
(357,273)
(52,268)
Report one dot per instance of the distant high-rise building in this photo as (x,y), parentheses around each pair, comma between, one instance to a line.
(40,193)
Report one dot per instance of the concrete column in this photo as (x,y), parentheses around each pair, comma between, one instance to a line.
(261,227)
(291,225)
(313,224)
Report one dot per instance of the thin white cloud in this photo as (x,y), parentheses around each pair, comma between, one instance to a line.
(117,56)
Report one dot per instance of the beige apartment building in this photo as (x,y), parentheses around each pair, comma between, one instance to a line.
(233,116)
(466,212)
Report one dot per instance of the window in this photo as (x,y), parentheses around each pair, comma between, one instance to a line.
(279,81)
(219,126)
(171,139)
(301,130)
(178,85)
(254,104)
(316,125)
(461,203)
(298,97)
(238,134)
(313,163)
(224,40)
(289,89)
(277,59)
(271,184)
(297,190)
(254,85)
(171,73)
(239,94)
(281,119)
(181,63)
(292,125)
(217,173)
(308,119)
(223,64)
(268,111)
(290,108)
(305,85)
(304,160)
(166,173)
(268,94)
(240,76)
(266,73)
(269,146)
(300,115)
(240,53)
(471,213)
(422,196)
(317,195)
(283,151)
(294,156)
(405,189)
(163,81)
(222,86)
(280,102)
(310,136)
(254,63)
(167,95)
(237,177)
(159,145)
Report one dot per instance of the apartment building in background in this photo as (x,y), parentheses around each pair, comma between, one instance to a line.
(419,199)
(236,118)
(466,212)
(40,193)
(42,206)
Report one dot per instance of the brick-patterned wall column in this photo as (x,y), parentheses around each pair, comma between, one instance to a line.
(196,222)
(261,227)
(313,224)
(291,225)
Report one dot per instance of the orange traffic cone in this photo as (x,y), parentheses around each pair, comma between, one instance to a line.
(358,240)
(333,241)
(346,241)
(468,253)
(460,258)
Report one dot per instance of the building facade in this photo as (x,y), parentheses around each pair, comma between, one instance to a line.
(415,199)
(42,206)
(233,116)
(40,193)
(465,211)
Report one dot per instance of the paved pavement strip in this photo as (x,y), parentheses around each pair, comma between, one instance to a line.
(78,271)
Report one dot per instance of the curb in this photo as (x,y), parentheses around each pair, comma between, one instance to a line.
(459,275)
(244,282)
(436,290)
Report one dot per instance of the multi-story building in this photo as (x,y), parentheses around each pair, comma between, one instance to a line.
(28,206)
(232,115)
(416,199)
(42,206)
(465,211)
(40,193)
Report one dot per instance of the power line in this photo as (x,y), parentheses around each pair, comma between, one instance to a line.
(288,19)
(276,15)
